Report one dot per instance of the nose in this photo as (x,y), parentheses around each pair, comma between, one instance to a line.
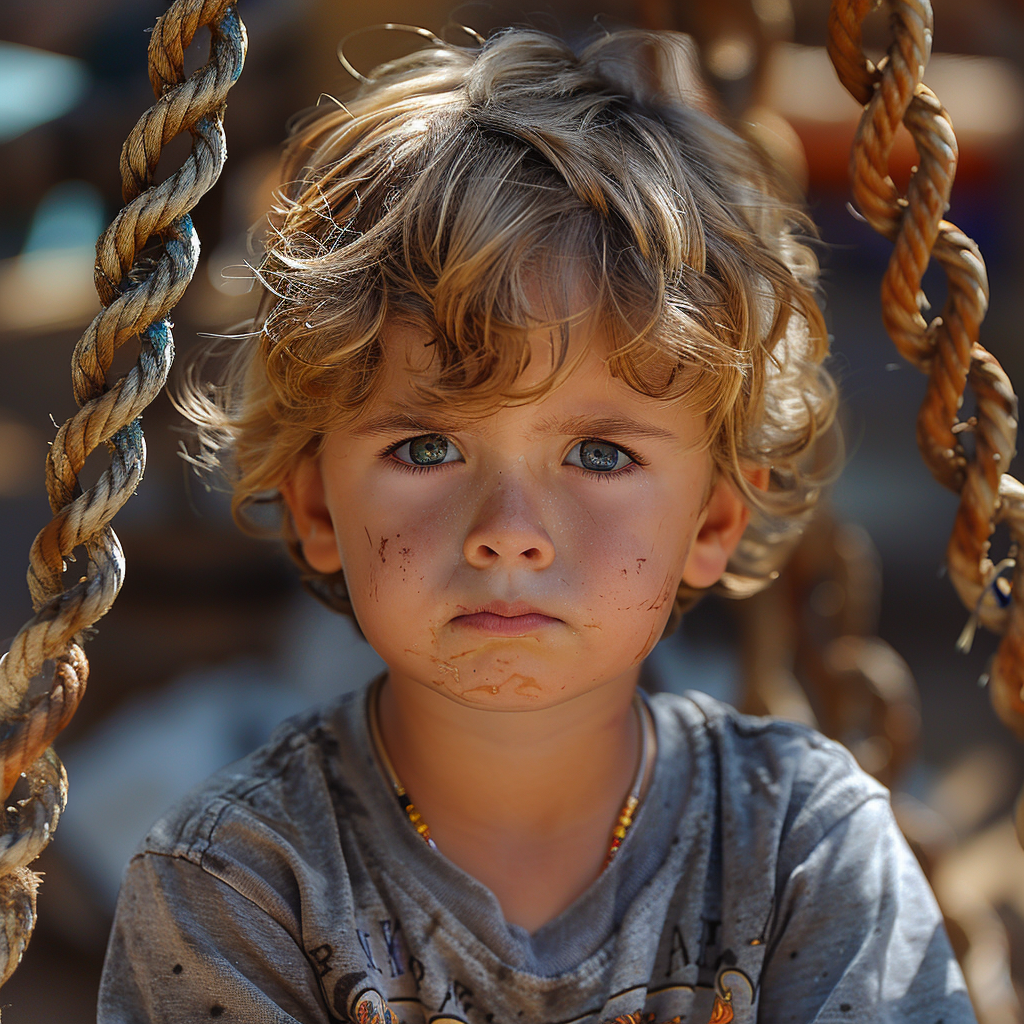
(507,529)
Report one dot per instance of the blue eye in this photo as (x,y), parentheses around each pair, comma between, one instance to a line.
(427,450)
(599,457)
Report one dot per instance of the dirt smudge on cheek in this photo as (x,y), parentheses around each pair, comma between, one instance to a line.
(666,593)
(372,581)
(383,547)
(667,590)
(640,565)
(652,639)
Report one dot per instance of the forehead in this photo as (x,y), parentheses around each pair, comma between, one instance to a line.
(410,357)
(586,398)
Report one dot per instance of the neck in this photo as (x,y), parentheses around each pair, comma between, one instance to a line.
(514,797)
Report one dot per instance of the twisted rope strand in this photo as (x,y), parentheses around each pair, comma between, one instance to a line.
(946,348)
(43,675)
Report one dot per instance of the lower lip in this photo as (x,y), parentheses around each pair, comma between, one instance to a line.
(504,625)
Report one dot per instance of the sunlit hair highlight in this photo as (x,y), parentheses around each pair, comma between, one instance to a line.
(478,194)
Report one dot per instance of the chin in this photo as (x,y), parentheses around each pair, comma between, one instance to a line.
(511,690)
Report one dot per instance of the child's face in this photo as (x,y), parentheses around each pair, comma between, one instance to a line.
(501,511)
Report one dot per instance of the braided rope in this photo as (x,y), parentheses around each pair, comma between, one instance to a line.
(946,348)
(43,676)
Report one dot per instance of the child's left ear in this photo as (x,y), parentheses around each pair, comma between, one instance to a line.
(725,518)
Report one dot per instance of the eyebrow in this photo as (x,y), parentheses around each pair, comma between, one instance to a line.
(391,421)
(599,426)
(589,426)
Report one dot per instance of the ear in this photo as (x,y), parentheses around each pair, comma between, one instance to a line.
(303,493)
(725,518)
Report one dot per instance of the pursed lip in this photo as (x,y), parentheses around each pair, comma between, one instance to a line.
(499,618)
(504,609)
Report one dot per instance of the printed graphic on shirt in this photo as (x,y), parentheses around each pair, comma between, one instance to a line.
(733,992)
(370,1008)
(731,1000)
(387,984)
(731,984)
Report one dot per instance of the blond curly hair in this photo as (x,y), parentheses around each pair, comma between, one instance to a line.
(457,179)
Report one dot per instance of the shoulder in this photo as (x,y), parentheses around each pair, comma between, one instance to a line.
(233,887)
(265,803)
(771,768)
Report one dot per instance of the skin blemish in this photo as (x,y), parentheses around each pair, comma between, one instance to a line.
(382,549)
(639,564)
(625,572)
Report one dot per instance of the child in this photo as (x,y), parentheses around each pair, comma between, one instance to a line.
(537,335)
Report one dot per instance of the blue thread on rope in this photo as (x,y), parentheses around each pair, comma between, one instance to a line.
(231,26)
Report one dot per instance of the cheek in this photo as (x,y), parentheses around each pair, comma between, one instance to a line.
(393,554)
(627,555)
(628,576)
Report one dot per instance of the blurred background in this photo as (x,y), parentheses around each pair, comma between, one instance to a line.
(211,642)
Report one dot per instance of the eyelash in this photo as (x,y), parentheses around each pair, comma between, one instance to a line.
(636,463)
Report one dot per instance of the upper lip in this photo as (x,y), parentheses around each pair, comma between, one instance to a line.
(506,609)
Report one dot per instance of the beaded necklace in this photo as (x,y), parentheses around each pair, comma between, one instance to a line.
(648,745)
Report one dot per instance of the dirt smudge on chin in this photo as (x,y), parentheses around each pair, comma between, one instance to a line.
(523,686)
(527,686)
(482,692)
(450,679)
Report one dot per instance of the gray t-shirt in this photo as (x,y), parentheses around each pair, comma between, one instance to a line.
(764,879)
